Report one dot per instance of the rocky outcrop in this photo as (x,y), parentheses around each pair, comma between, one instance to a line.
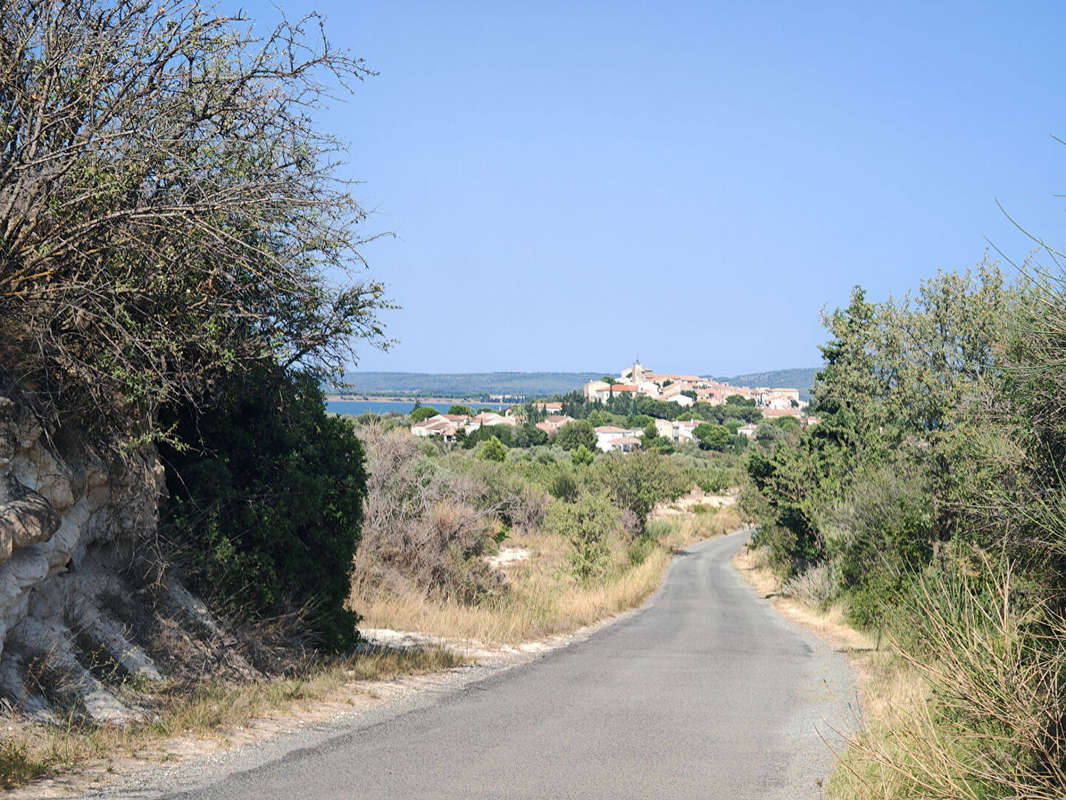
(75,621)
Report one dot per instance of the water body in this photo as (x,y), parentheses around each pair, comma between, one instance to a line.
(357,407)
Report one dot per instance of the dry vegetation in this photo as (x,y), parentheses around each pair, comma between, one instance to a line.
(202,711)
(542,596)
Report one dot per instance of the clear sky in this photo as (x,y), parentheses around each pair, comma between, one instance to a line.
(573,184)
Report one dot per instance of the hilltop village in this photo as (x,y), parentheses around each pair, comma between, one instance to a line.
(632,384)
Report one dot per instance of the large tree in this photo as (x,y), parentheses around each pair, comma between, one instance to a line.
(169,215)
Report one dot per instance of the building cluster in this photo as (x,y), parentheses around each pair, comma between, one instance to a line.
(447,425)
(685,390)
(636,381)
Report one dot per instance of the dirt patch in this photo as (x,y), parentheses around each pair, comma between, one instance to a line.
(687,504)
(507,557)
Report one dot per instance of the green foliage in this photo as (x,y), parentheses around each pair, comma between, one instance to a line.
(582,456)
(461,411)
(893,465)
(17,766)
(576,434)
(265,509)
(422,413)
(637,481)
(528,435)
(502,433)
(586,524)
(713,437)
(493,449)
(564,487)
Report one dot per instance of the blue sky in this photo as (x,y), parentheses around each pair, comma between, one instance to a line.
(573,184)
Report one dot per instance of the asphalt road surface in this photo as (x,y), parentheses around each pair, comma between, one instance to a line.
(706,693)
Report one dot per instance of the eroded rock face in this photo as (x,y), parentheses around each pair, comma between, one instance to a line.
(86,603)
(68,522)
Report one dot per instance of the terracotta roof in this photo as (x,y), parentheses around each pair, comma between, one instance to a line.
(627,440)
(620,387)
(611,429)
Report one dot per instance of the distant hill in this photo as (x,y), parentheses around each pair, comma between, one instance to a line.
(466,384)
(802,379)
(530,384)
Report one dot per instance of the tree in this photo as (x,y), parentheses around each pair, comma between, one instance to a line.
(738,400)
(528,435)
(169,211)
(581,456)
(637,481)
(422,413)
(650,431)
(713,437)
(493,450)
(461,411)
(575,434)
(486,432)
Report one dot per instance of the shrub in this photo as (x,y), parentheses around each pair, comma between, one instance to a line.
(423,530)
(582,456)
(995,664)
(461,411)
(493,450)
(564,487)
(639,549)
(266,510)
(586,524)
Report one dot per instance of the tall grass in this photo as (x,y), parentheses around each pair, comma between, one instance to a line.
(988,719)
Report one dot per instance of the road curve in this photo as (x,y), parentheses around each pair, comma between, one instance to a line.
(706,693)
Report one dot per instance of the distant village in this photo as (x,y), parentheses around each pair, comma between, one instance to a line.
(634,381)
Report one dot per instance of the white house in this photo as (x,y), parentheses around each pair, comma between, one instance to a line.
(610,437)
(439,425)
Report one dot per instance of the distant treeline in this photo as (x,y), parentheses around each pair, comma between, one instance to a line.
(465,384)
(529,384)
(802,379)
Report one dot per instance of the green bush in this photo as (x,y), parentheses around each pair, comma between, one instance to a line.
(493,450)
(637,481)
(639,549)
(582,456)
(586,524)
(564,487)
(265,507)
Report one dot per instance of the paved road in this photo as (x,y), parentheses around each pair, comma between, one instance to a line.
(707,693)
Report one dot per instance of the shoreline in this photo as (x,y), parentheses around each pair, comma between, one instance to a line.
(426,401)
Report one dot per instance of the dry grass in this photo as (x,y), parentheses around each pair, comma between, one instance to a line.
(970,708)
(543,598)
(989,724)
(208,710)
